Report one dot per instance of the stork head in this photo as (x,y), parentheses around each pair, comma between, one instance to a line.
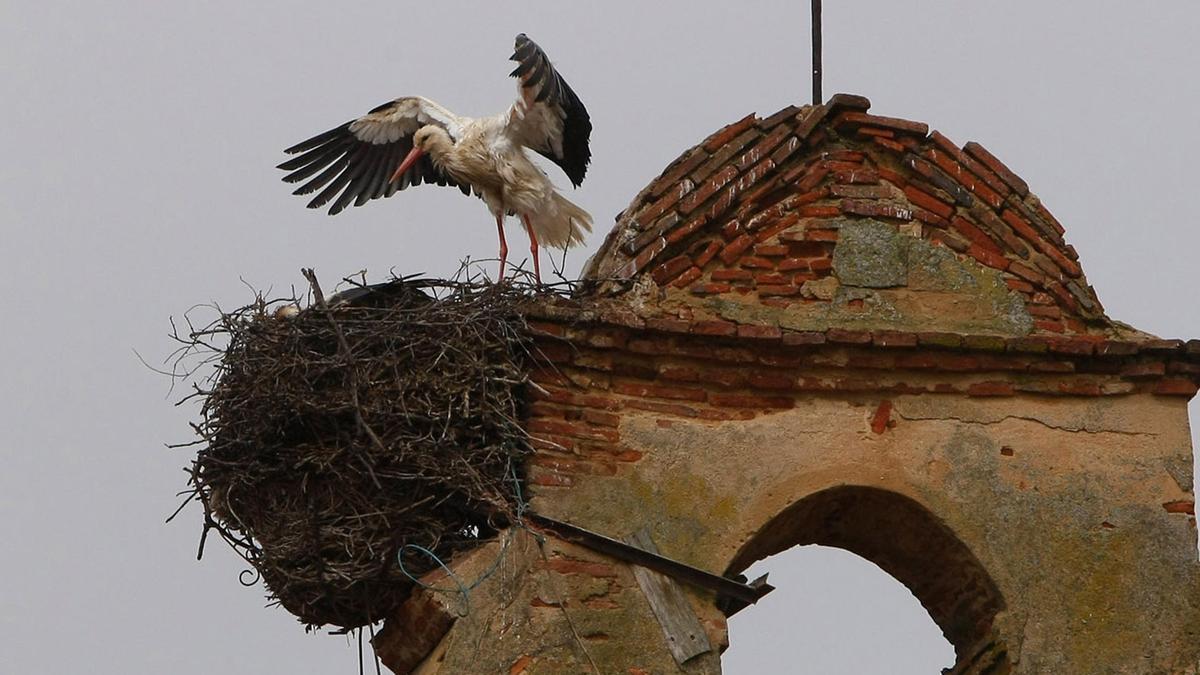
(429,139)
(432,139)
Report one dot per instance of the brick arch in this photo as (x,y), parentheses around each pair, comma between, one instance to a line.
(907,541)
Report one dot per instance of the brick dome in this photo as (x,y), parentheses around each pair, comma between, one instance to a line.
(833,216)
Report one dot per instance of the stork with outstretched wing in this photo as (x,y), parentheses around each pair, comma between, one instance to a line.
(413,140)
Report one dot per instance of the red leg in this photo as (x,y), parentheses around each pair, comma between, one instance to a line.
(503,246)
(533,249)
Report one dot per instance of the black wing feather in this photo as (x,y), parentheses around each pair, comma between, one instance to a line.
(357,169)
(538,76)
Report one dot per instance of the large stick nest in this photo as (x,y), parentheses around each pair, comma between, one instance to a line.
(333,436)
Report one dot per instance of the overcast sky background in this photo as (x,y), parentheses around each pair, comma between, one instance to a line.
(138,143)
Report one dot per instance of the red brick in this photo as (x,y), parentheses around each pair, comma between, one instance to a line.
(930,218)
(732,275)
(1145,369)
(667,271)
(882,417)
(991,389)
(887,143)
(735,249)
(1027,273)
(1052,366)
(1049,218)
(571,429)
(686,230)
(771,250)
(668,324)
(769,278)
(963,177)
(803,338)
(988,343)
(1181,506)
(822,234)
(856,156)
(708,189)
(751,401)
(604,419)
(714,327)
(855,337)
(894,339)
(1115,348)
(1026,230)
(879,133)
(762,332)
(981,171)
(951,241)
(810,177)
(986,158)
(792,264)
(1044,312)
(917,361)
(682,166)
(1079,387)
(666,202)
(728,133)
(628,456)
(782,290)
(929,202)
(957,362)
(704,256)
(1168,347)
(588,568)
(970,231)
(1074,346)
(1176,387)
(731,230)
(711,288)
(686,279)
(988,257)
(1050,326)
(657,391)
(932,339)
(819,211)
(1019,285)
(764,147)
(771,380)
(663,408)
(904,126)
(757,263)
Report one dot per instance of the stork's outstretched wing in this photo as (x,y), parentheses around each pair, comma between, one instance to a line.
(548,117)
(358,157)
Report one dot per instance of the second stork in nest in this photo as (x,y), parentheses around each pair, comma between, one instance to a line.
(413,140)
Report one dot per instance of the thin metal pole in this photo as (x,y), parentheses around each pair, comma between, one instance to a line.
(818,99)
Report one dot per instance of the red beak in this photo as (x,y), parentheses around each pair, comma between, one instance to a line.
(411,159)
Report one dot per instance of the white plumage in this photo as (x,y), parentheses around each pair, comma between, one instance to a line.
(412,140)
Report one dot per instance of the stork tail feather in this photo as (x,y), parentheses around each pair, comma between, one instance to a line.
(562,224)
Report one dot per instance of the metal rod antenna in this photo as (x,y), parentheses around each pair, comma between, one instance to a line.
(818,99)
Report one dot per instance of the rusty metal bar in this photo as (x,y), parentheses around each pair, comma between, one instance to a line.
(818,99)
(742,593)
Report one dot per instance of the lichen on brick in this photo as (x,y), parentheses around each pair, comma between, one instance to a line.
(871,254)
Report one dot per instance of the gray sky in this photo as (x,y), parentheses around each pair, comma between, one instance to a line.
(138,144)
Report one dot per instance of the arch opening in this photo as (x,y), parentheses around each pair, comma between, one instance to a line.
(833,612)
(908,542)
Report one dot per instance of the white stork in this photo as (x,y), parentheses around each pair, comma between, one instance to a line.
(412,140)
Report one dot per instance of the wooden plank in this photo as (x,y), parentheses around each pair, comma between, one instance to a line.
(685,636)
